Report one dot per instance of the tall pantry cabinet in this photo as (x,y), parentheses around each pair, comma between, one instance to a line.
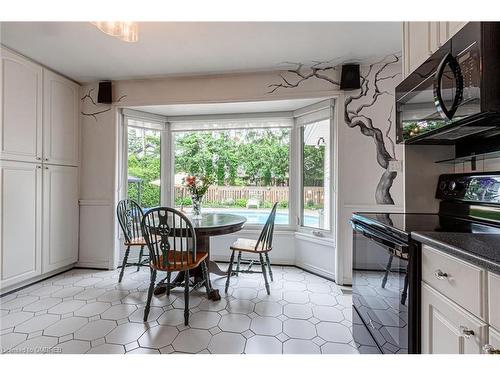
(39,133)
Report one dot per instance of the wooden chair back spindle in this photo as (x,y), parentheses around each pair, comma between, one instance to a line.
(170,237)
(130,216)
(265,240)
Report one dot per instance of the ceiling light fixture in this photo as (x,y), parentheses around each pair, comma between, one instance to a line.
(126,31)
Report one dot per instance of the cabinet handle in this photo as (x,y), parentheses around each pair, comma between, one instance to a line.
(46,159)
(38,167)
(440,275)
(38,158)
(46,167)
(489,349)
(466,331)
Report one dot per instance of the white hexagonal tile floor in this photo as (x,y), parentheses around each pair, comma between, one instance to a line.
(88,311)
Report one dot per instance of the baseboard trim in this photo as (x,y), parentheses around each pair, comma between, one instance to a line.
(316,270)
(34,280)
(94,265)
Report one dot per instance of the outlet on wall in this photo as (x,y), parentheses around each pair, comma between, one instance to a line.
(395,166)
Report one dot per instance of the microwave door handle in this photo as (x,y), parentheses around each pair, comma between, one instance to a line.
(445,113)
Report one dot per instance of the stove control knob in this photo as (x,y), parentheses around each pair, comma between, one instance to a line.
(442,185)
(452,185)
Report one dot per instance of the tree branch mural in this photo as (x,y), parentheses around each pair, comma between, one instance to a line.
(94,114)
(356,108)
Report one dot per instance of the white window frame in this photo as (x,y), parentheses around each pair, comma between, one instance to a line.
(158,123)
(304,116)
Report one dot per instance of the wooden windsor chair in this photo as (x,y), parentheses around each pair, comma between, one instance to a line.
(130,216)
(171,241)
(262,246)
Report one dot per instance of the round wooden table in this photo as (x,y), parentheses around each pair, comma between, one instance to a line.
(211,224)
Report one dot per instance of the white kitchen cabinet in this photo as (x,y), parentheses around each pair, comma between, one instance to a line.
(39,142)
(60,120)
(419,42)
(20,222)
(447,328)
(462,282)
(60,217)
(422,39)
(454,27)
(494,300)
(493,346)
(20,108)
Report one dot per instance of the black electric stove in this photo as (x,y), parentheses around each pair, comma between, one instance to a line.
(386,261)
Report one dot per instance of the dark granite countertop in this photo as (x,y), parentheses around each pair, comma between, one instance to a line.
(481,249)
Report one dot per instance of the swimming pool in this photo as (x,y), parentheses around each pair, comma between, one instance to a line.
(260,217)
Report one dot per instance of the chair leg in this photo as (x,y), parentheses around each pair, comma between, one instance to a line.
(263,265)
(205,277)
(186,297)
(405,290)
(140,258)
(387,270)
(230,270)
(269,267)
(150,294)
(124,264)
(169,275)
(238,264)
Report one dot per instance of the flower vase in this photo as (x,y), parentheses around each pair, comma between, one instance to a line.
(196,214)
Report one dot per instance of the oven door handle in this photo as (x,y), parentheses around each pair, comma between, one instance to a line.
(378,237)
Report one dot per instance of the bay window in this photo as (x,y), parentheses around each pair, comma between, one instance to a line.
(253,161)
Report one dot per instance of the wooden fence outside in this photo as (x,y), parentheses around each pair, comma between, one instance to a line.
(312,194)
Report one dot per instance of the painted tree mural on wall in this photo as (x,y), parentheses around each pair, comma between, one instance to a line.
(357,108)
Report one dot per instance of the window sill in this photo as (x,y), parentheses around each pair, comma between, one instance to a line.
(277,228)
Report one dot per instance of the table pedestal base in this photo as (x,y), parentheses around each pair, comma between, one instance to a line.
(203,245)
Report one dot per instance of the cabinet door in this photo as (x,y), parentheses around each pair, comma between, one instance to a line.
(60,216)
(447,328)
(20,221)
(20,108)
(494,341)
(60,120)
(447,29)
(454,27)
(419,42)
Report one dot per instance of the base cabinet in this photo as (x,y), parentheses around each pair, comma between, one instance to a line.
(20,222)
(38,220)
(493,346)
(447,328)
(60,217)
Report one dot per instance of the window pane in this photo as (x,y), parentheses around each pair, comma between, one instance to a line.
(144,166)
(249,168)
(316,153)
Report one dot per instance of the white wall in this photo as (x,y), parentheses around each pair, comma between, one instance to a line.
(358,171)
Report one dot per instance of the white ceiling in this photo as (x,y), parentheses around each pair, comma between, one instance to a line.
(80,51)
(228,108)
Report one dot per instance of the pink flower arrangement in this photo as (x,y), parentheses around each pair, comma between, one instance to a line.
(197,186)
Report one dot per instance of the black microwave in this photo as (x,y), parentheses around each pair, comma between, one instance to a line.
(455,93)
